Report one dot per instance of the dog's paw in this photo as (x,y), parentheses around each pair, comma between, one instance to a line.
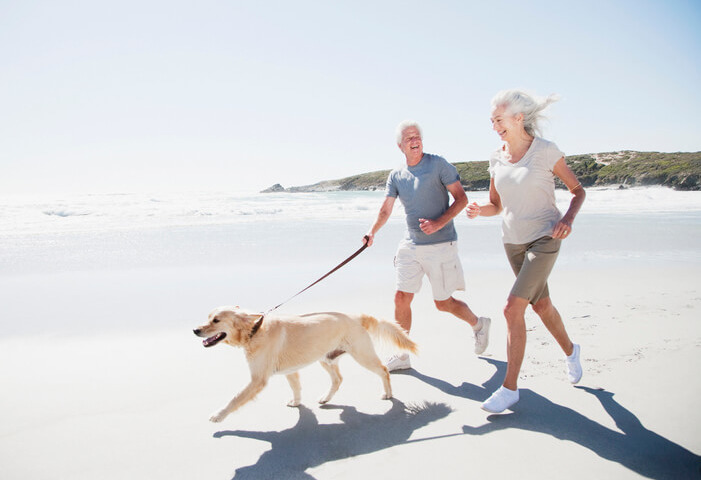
(217,417)
(324,400)
(386,397)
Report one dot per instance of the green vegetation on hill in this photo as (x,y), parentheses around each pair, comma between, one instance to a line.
(681,171)
(474,175)
(365,181)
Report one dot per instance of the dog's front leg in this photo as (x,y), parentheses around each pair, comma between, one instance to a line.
(246,395)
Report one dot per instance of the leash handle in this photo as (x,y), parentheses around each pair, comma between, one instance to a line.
(344,262)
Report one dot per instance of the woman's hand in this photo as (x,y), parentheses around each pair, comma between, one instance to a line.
(473,210)
(562,229)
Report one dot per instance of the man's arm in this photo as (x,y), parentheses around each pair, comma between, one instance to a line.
(429,226)
(382,217)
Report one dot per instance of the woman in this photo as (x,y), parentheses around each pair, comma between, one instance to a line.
(522,186)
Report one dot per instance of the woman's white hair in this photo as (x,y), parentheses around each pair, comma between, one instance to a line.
(403,126)
(531,106)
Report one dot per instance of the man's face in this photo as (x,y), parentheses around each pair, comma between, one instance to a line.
(411,143)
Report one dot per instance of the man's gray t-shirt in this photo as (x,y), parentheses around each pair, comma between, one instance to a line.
(422,191)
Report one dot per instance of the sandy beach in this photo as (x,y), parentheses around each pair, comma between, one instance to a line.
(161,159)
(102,377)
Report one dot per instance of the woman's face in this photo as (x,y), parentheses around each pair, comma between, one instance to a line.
(507,125)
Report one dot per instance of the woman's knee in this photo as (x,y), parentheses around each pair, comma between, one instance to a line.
(515,309)
(543,307)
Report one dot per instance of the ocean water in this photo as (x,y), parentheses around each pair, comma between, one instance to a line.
(24,216)
(118,253)
(93,232)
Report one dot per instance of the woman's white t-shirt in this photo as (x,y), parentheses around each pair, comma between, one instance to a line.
(527,191)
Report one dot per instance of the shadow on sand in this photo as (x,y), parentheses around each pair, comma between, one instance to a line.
(309,444)
(634,447)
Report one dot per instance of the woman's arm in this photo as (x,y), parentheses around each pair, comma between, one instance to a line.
(493,207)
(564,226)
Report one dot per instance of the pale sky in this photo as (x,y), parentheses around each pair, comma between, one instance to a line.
(149,96)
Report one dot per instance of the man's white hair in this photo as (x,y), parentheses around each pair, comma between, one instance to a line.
(531,106)
(403,126)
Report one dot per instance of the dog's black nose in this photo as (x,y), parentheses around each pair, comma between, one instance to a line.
(196,331)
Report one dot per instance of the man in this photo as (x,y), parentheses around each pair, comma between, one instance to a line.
(430,245)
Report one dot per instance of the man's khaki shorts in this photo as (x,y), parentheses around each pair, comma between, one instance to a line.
(532,264)
(439,262)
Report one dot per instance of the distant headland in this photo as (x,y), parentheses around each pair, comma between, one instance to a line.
(681,171)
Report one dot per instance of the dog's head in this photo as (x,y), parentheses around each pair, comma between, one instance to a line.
(229,324)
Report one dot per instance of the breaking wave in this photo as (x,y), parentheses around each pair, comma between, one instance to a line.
(130,211)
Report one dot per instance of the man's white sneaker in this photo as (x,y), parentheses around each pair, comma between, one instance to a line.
(574,366)
(500,400)
(482,336)
(398,362)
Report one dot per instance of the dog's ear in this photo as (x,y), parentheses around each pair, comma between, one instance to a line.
(253,317)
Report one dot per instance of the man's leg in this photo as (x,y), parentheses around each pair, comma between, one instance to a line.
(457,308)
(402,314)
(480,326)
(444,271)
(402,309)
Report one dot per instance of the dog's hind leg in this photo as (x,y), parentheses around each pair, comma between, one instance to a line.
(296,386)
(364,353)
(336,379)
(246,395)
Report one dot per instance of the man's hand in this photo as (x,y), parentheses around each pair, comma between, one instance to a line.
(429,226)
(368,239)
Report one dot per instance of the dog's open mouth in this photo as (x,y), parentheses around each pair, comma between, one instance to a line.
(211,341)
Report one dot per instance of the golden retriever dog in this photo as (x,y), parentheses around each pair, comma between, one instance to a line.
(282,344)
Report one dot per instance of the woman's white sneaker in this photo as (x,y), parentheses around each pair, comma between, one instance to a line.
(500,400)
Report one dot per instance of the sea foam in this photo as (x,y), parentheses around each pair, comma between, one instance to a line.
(27,215)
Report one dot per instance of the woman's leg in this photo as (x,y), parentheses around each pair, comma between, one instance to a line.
(553,322)
(516,339)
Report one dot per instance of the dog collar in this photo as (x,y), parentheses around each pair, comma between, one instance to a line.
(256,326)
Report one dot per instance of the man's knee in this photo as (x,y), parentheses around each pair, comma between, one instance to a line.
(403,298)
(445,305)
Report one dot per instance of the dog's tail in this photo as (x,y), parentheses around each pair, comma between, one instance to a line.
(388,331)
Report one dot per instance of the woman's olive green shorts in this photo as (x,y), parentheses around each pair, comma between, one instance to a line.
(532,264)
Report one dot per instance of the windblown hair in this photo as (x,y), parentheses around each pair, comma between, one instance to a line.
(531,106)
(403,126)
